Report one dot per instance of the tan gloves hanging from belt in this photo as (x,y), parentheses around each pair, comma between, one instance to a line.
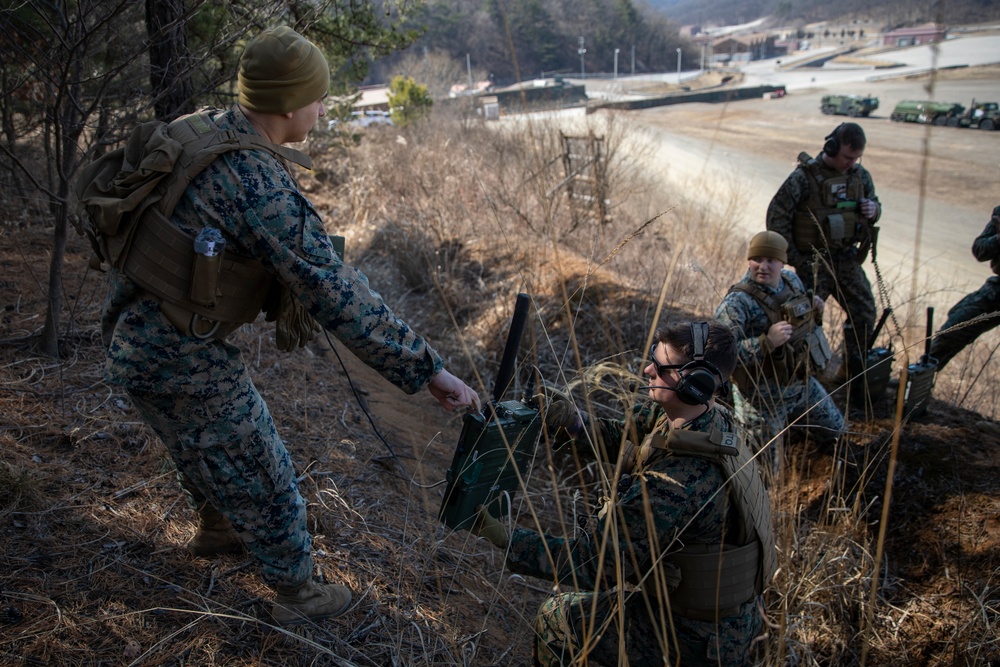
(293,325)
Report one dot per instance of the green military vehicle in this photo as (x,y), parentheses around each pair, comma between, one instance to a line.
(848,105)
(926,111)
(981,115)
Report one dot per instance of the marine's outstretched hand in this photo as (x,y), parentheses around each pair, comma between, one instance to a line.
(452,393)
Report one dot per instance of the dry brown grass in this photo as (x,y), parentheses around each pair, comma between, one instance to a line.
(450,221)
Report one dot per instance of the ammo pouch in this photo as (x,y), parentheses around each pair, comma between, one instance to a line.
(826,228)
(810,351)
(161,261)
(714,582)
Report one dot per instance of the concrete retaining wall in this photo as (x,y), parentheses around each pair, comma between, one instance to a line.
(710,96)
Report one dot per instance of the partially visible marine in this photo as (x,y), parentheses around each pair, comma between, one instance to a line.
(979,115)
(848,105)
(926,111)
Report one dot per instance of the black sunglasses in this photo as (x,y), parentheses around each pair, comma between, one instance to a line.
(661,368)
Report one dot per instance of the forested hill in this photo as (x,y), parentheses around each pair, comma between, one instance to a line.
(887,12)
(518,41)
(524,39)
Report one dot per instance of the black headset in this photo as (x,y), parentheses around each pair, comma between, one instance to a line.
(832,146)
(700,379)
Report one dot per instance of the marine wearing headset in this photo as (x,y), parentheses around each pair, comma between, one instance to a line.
(662,527)
(827,209)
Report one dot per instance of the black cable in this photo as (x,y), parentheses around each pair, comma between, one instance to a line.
(357,397)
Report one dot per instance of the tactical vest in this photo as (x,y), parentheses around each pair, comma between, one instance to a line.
(806,352)
(128,197)
(830,215)
(710,581)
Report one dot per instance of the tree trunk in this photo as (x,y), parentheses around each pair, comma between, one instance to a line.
(169,70)
(48,344)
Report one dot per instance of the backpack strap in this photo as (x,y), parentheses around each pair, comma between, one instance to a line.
(203,142)
(811,167)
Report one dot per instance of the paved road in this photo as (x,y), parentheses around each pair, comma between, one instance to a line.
(937,185)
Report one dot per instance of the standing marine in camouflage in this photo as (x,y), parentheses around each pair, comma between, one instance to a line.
(778,326)
(189,384)
(827,209)
(986,301)
(640,579)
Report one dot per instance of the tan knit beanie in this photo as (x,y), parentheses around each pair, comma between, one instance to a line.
(281,71)
(769,244)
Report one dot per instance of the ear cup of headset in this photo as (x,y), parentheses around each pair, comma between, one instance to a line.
(697,386)
(832,146)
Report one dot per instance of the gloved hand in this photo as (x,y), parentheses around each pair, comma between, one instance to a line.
(493,529)
(560,413)
(294,326)
(868,208)
(563,421)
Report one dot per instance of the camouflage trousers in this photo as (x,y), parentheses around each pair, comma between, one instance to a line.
(985,300)
(843,278)
(570,630)
(771,409)
(228,456)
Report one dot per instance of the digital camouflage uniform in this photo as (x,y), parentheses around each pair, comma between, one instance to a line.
(682,505)
(198,395)
(986,248)
(768,407)
(846,282)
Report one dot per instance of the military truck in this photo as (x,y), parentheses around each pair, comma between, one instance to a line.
(848,105)
(926,111)
(981,115)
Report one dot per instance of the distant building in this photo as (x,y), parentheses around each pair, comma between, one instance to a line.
(921,34)
(744,48)
(373,98)
(462,89)
(789,44)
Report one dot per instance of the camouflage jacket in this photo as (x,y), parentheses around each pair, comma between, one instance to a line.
(986,247)
(254,200)
(750,324)
(792,193)
(682,504)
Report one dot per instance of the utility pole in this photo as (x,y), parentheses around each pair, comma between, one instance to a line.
(581,51)
(633,60)
(616,62)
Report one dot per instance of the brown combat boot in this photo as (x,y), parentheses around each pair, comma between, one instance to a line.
(215,535)
(309,601)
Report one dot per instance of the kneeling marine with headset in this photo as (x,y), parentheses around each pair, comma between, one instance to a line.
(703,581)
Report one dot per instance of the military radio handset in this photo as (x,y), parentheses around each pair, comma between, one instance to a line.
(508,362)
(927,358)
(496,446)
(878,328)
